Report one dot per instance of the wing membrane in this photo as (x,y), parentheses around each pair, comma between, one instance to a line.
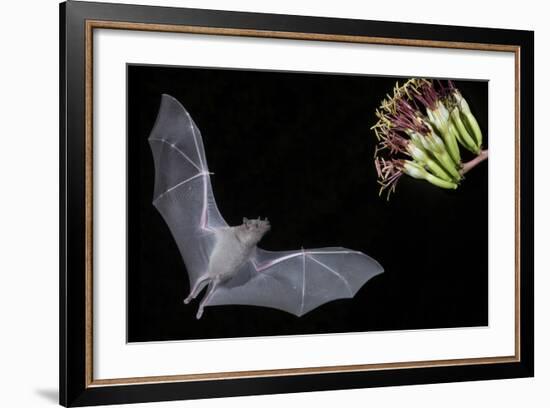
(183,191)
(298,281)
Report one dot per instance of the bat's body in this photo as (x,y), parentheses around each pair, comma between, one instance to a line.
(234,247)
(230,253)
(226,259)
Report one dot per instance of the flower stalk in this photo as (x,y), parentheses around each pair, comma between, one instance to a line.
(420,131)
(466,167)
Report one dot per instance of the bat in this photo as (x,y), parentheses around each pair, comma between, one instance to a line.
(226,259)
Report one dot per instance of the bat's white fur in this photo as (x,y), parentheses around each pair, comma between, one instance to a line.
(234,247)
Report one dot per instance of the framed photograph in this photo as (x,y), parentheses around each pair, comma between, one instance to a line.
(255,203)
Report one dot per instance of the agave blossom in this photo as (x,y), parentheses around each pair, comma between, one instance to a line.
(420,130)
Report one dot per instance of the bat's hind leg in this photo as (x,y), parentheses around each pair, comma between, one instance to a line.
(207,296)
(197,288)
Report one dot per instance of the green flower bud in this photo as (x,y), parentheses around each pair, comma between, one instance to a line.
(414,170)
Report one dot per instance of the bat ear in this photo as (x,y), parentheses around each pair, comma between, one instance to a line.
(245,220)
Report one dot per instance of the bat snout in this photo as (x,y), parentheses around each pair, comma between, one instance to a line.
(266,225)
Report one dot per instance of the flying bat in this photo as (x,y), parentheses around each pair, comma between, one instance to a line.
(226,259)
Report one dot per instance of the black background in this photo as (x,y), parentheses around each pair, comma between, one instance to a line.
(297,148)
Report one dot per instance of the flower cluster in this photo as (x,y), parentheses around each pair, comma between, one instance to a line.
(419,131)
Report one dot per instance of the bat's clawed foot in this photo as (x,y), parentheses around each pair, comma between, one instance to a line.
(211,288)
(199,285)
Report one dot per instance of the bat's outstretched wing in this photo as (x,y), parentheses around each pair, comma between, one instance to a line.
(183,192)
(297,281)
